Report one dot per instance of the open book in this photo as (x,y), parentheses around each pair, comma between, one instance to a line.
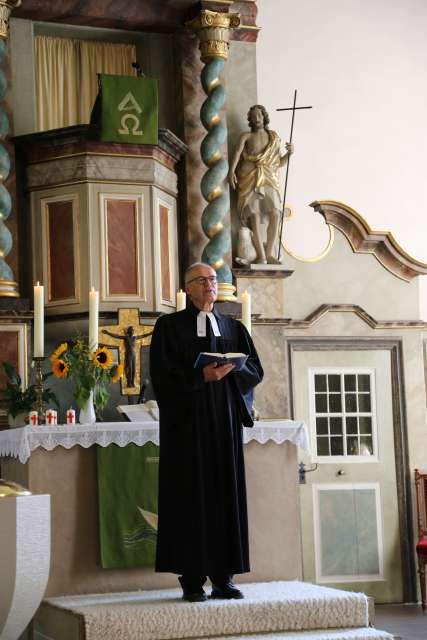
(238,359)
(147,412)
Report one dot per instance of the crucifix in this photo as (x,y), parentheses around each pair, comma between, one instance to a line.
(122,336)
(293,109)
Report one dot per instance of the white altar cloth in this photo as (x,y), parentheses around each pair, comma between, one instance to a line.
(20,442)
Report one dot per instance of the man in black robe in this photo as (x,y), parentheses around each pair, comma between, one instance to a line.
(203,528)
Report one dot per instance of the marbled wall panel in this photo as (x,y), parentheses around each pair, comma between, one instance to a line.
(271,396)
(241,83)
(101,168)
(122,247)
(192,133)
(9,350)
(120,14)
(268,295)
(165,253)
(62,284)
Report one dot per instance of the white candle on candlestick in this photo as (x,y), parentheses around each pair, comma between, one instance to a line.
(93,319)
(181,300)
(38,321)
(246,310)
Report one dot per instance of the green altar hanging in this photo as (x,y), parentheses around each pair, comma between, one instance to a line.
(127,490)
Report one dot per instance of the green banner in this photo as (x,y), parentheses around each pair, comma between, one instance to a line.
(127,489)
(129,109)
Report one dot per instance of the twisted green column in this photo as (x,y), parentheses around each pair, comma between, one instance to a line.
(212,185)
(8,286)
(213,30)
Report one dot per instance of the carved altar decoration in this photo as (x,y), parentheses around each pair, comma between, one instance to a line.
(254,173)
(128,336)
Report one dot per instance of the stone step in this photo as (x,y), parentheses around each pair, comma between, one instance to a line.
(362,633)
(267,608)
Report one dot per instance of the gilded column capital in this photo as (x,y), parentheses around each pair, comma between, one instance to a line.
(213,30)
(6,7)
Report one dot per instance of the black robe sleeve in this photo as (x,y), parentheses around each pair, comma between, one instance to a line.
(172,377)
(249,376)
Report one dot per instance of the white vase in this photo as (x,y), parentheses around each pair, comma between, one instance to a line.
(87,414)
(18,421)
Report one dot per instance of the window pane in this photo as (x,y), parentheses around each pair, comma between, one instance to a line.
(335,403)
(322,426)
(337,447)
(364,402)
(334,383)
(320,382)
(365,424)
(352,446)
(350,382)
(366,448)
(322,446)
(364,382)
(351,425)
(350,402)
(336,425)
(344,425)
(321,403)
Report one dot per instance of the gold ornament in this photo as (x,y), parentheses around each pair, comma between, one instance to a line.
(213,29)
(10,489)
(6,7)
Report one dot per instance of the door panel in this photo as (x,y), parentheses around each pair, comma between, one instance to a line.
(349,507)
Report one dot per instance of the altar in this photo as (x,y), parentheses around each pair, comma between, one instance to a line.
(61,460)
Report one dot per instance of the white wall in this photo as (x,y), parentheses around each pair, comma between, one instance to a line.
(362,65)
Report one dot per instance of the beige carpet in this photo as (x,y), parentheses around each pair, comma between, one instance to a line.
(269,607)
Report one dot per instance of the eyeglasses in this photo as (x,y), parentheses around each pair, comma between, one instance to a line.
(203,280)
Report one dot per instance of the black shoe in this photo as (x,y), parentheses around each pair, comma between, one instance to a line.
(226,591)
(194,596)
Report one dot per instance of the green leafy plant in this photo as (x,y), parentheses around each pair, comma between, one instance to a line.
(22,401)
(90,370)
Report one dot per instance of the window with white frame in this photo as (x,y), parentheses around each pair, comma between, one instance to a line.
(343,413)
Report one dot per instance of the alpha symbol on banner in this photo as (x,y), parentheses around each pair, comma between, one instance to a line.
(130,123)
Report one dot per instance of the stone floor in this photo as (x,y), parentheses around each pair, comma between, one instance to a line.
(406,621)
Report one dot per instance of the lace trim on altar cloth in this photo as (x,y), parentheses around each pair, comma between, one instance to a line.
(20,442)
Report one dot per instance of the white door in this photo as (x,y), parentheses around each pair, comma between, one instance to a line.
(349,508)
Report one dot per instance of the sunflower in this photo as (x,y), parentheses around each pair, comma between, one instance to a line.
(60,368)
(118,373)
(59,351)
(103,358)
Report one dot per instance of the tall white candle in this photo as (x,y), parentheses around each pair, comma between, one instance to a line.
(38,321)
(93,319)
(181,300)
(246,310)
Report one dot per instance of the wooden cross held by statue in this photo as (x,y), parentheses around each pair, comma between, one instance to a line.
(122,336)
(293,109)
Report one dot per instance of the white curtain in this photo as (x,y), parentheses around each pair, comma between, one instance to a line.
(66,77)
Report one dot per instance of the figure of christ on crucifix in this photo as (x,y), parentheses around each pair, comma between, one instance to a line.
(254,173)
(123,337)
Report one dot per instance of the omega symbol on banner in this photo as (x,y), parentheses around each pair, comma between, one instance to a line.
(130,122)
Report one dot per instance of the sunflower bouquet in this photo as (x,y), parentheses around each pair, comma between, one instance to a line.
(90,370)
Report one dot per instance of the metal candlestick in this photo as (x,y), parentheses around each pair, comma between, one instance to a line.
(38,404)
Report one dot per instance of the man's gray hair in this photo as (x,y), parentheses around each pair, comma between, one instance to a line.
(193,266)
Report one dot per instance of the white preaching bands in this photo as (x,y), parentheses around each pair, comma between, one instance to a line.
(201,324)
